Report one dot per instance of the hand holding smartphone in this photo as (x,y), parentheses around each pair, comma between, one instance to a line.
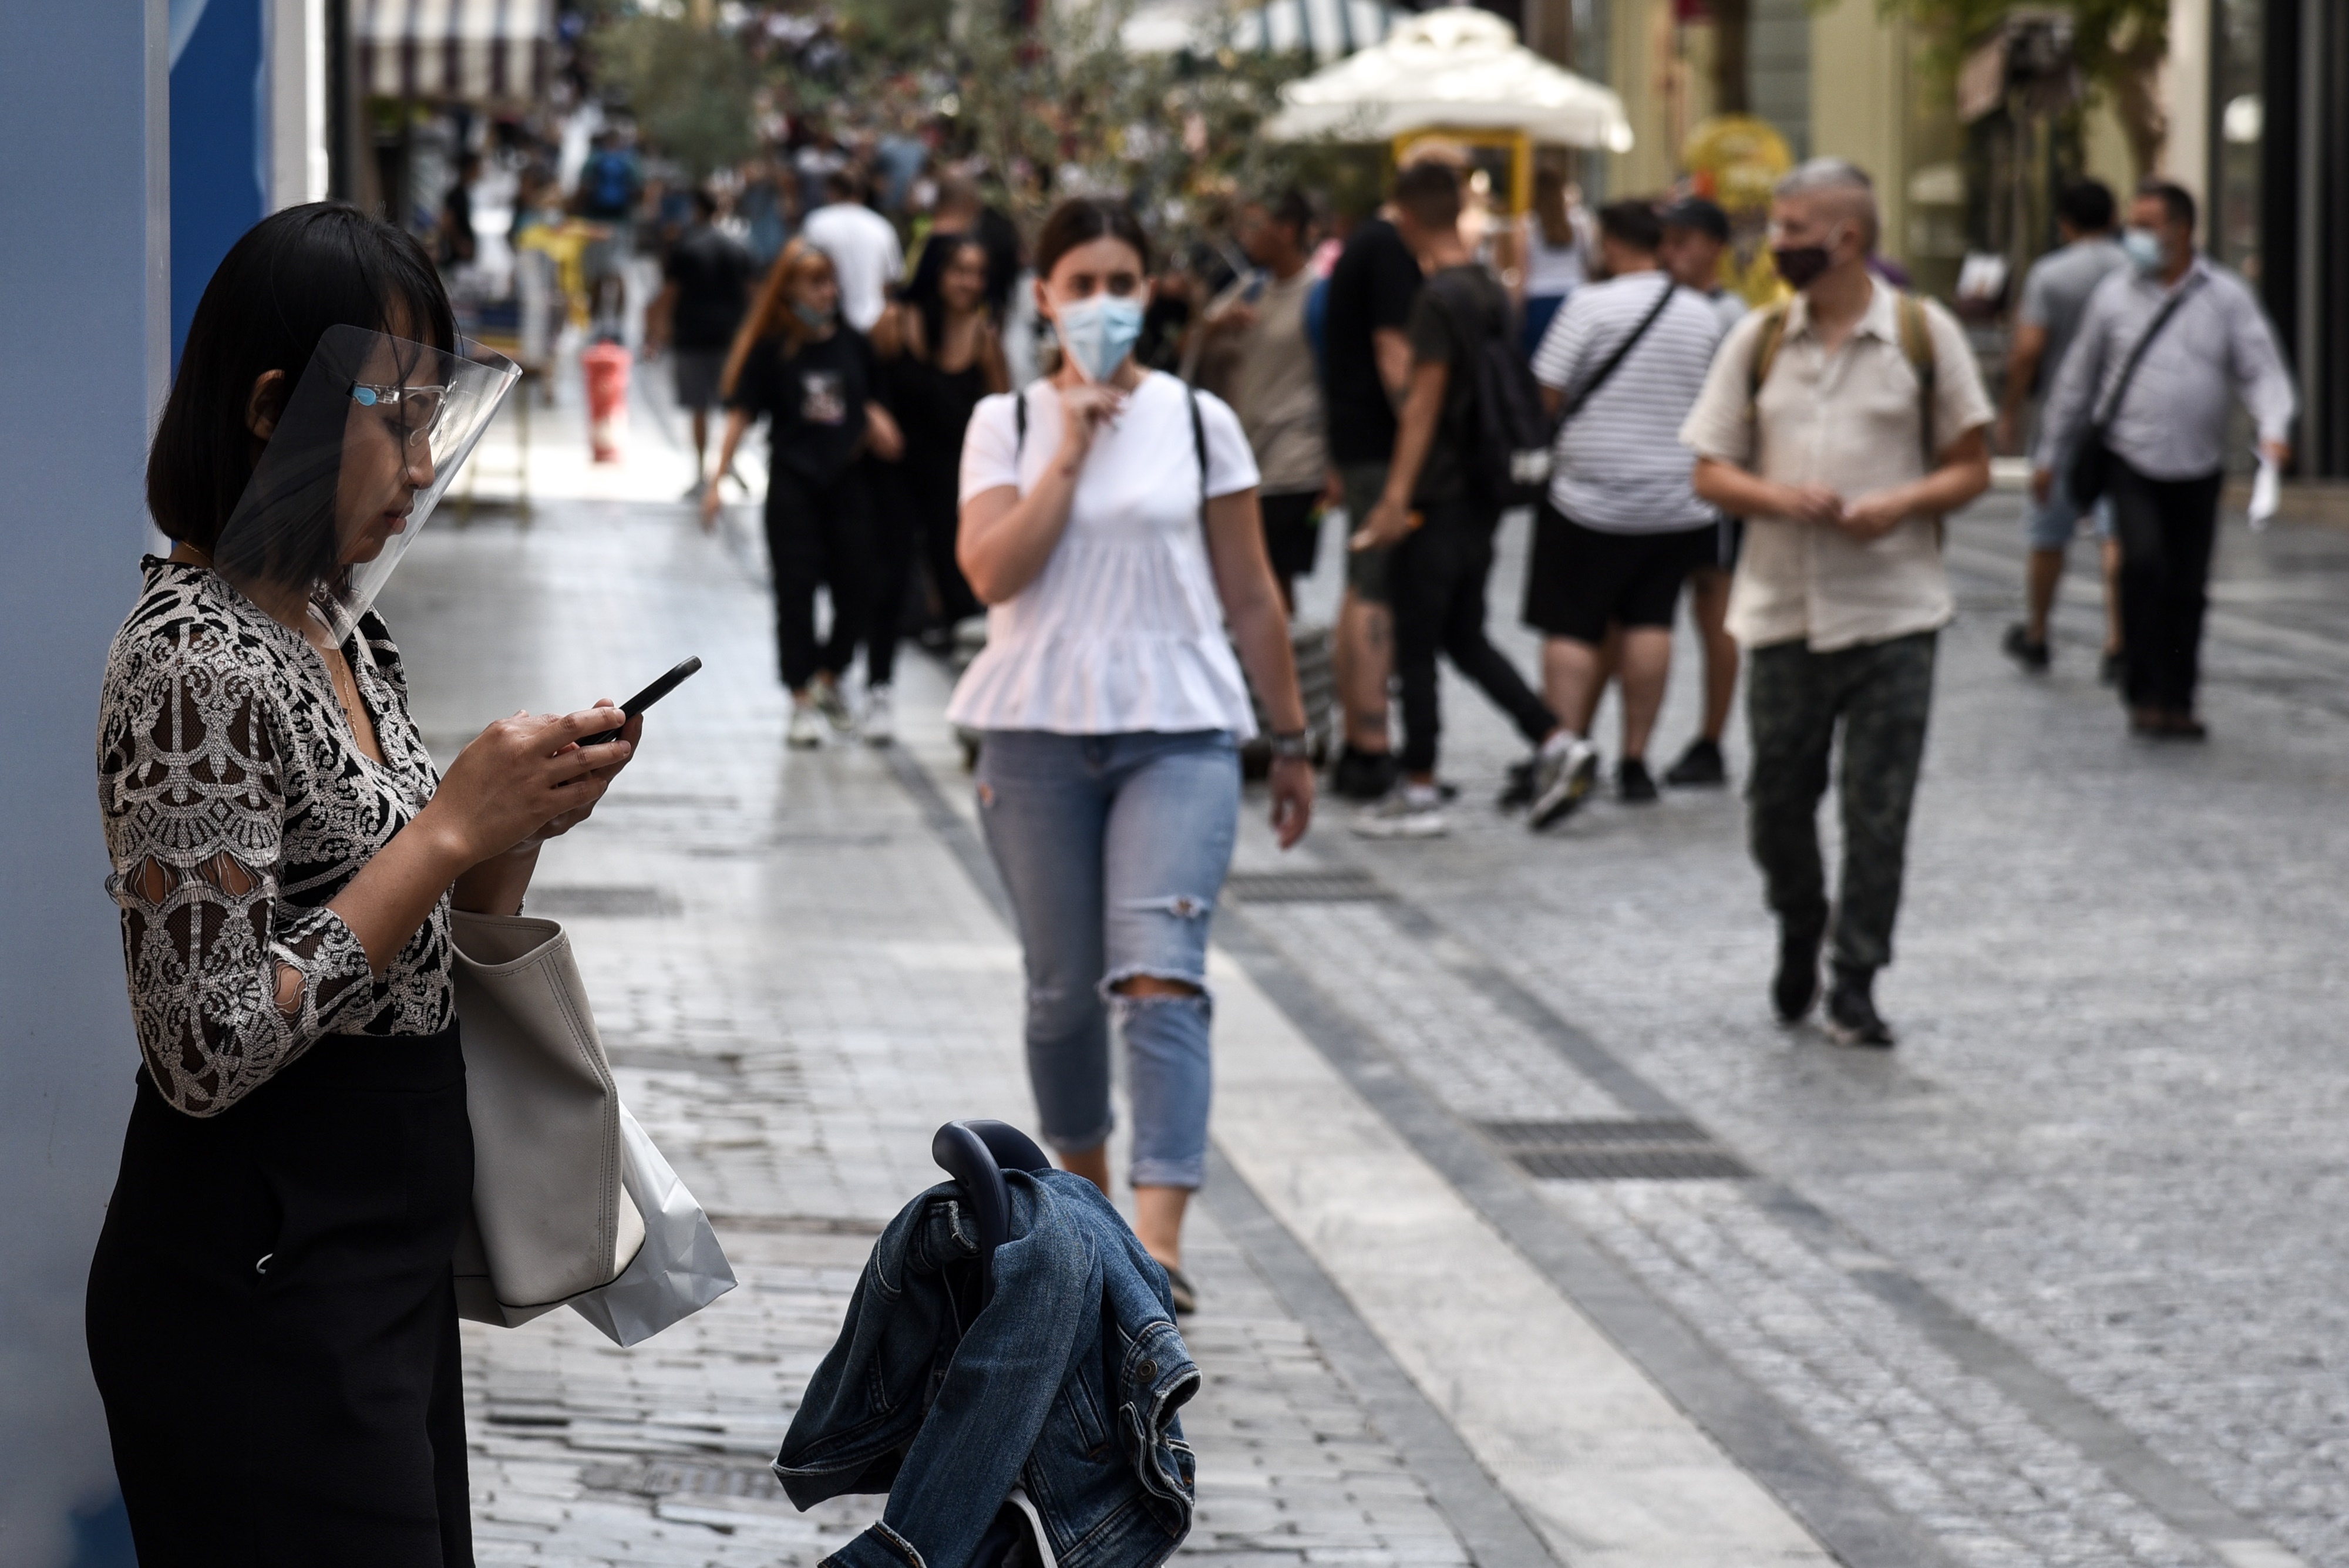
(645,698)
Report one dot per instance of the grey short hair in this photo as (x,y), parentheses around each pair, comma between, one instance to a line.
(1837,177)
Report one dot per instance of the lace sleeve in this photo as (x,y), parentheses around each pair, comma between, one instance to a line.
(228,982)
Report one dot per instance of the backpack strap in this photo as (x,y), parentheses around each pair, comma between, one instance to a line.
(1198,438)
(1917,347)
(1765,353)
(1199,448)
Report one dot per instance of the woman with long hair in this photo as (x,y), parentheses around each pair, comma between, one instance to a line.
(271,1315)
(796,364)
(1110,522)
(1555,249)
(941,352)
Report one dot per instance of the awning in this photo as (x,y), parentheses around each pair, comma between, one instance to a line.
(477,51)
(1328,29)
(1454,69)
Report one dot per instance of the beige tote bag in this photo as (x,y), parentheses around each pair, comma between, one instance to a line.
(552,1218)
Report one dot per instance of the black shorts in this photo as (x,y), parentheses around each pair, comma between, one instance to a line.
(1292,534)
(1580,578)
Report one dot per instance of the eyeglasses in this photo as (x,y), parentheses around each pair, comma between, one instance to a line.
(411,410)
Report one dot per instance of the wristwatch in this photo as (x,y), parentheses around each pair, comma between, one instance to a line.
(1291,747)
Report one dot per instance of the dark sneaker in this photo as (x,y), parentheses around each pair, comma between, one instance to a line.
(1518,793)
(2032,655)
(2112,668)
(1794,990)
(1698,766)
(1362,775)
(1633,784)
(1562,781)
(1852,1018)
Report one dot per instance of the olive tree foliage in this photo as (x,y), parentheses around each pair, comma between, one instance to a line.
(1061,107)
(689,86)
(2117,45)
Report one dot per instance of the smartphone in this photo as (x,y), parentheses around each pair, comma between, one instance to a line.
(645,698)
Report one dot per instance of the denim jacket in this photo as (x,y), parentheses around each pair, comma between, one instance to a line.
(1067,1384)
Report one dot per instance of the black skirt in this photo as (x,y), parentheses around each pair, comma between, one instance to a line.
(272,1321)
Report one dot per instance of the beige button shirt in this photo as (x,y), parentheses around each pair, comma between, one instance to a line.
(1845,419)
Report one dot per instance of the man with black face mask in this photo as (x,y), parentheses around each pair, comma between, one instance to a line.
(1842,426)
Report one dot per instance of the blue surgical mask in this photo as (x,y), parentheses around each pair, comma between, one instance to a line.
(1097,332)
(814,320)
(2143,248)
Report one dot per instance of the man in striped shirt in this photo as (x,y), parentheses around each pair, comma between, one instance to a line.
(1620,528)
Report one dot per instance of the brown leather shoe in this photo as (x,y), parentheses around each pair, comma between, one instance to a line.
(2184,726)
(2149,721)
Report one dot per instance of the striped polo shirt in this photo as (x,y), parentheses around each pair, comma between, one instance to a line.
(1620,465)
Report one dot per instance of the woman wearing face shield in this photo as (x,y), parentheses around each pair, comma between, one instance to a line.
(270,1311)
(1110,523)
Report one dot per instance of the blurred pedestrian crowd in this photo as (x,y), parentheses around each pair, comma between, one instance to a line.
(1780,462)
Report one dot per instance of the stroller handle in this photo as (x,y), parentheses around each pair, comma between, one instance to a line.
(975,1154)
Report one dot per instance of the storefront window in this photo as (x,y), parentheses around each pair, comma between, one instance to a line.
(2239,117)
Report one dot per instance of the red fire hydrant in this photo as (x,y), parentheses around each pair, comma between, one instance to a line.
(605,367)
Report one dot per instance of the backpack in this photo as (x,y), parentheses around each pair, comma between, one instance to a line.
(1507,456)
(1916,346)
(612,182)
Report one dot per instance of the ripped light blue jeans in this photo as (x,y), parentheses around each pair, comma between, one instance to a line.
(1113,849)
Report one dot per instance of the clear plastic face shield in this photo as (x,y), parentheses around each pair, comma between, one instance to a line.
(371,436)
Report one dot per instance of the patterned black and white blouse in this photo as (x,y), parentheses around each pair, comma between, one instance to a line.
(237,802)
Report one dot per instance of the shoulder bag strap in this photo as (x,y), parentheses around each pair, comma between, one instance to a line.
(1574,404)
(2137,355)
(1019,430)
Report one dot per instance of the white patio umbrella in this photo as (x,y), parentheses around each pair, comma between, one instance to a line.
(1456,69)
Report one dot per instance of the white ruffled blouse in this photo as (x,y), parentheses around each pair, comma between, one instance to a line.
(1123,630)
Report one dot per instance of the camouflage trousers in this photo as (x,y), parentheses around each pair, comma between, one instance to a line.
(1881,692)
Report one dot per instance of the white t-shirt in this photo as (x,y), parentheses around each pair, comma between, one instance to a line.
(1122,629)
(1620,466)
(866,253)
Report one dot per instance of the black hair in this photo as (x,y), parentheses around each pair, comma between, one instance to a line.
(2176,200)
(1083,219)
(293,275)
(705,204)
(841,186)
(1430,194)
(1291,209)
(1632,223)
(929,299)
(2087,206)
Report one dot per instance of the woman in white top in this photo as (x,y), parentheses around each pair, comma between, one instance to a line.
(1110,523)
(1556,252)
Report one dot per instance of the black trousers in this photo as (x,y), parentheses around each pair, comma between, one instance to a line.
(272,1322)
(894,551)
(819,536)
(934,481)
(2167,528)
(1436,586)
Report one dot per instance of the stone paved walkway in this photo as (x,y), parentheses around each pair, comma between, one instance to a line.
(2106,1149)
